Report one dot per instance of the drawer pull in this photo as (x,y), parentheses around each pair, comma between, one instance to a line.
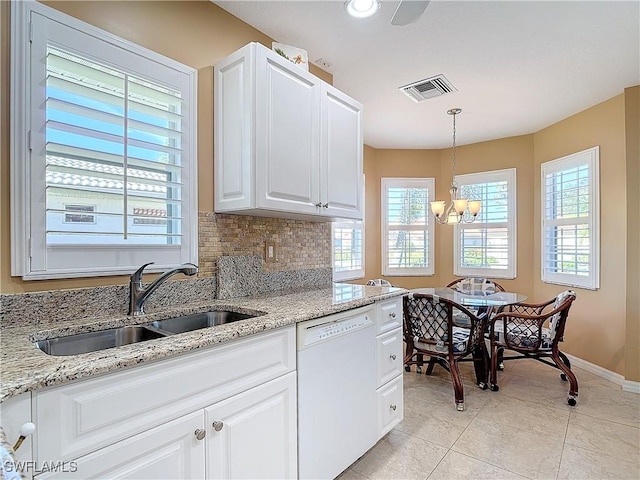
(393,357)
(392,314)
(393,407)
(217,425)
(319,204)
(200,433)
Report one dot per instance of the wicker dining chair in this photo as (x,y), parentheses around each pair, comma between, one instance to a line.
(520,328)
(497,286)
(429,331)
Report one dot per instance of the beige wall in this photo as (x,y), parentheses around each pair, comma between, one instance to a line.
(201,34)
(632,133)
(597,323)
(604,328)
(494,155)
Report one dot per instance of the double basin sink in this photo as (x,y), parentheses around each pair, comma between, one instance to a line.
(116,337)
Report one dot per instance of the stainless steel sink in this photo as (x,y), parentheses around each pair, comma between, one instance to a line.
(197,321)
(116,337)
(100,340)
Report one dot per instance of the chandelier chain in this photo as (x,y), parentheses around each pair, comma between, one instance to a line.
(454,149)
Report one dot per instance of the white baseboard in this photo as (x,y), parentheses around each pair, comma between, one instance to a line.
(630,386)
(627,385)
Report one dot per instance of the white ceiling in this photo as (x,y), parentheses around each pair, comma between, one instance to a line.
(518,66)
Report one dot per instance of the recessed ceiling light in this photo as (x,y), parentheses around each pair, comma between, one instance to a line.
(361,8)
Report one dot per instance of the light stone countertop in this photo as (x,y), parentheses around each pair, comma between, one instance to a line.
(23,367)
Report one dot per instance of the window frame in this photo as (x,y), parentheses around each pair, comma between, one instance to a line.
(30,251)
(508,175)
(591,157)
(429,184)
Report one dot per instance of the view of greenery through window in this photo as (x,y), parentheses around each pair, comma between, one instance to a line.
(485,242)
(568,238)
(407,245)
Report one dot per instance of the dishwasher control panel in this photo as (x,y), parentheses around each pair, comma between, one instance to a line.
(314,331)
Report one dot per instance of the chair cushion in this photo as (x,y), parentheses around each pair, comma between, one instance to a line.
(523,337)
(460,340)
(471,285)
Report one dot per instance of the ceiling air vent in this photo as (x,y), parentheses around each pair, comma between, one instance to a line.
(428,88)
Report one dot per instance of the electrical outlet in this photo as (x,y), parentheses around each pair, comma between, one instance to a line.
(270,252)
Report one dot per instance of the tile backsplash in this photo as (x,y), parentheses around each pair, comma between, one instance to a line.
(303,261)
(299,244)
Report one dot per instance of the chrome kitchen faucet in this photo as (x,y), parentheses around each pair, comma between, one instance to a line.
(138,294)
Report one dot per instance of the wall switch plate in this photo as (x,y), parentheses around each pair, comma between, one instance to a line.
(270,251)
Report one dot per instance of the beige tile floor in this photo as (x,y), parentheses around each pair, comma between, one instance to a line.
(524,431)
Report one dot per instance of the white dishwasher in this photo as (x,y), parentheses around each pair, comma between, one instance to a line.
(336,392)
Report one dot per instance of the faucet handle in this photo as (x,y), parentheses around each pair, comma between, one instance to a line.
(137,275)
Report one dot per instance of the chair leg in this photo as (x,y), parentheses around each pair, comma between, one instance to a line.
(432,362)
(556,355)
(501,359)
(458,387)
(493,380)
(566,362)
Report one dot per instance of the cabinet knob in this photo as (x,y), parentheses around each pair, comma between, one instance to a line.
(200,433)
(25,430)
(392,314)
(393,407)
(217,425)
(326,205)
(319,204)
(393,357)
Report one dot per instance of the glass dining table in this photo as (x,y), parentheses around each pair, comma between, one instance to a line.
(485,302)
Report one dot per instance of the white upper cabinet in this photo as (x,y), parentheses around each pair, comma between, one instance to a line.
(286,143)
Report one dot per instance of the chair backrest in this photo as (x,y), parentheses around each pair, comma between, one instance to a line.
(485,282)
(428,319)
(558,320)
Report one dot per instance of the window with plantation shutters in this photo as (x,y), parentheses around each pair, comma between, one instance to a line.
(348,250)
(407,226)
(104,151)
(570,220)
(487,247)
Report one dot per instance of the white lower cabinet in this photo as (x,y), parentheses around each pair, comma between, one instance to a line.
(253,434)
(169,451)
(389,364)
(220,413)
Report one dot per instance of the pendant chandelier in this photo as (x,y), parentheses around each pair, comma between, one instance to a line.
(460,210)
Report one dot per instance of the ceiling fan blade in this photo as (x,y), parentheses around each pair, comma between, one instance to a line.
(409,11)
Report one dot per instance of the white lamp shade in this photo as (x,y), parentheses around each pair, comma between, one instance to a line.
(460,205)
(474,207)
(437,208)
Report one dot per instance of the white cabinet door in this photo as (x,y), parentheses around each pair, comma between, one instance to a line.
(341,181)
(170,451)
(287,136)
(390,406)
(253,434)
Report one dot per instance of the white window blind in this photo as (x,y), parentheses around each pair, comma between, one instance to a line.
(487,247)
(570,220)
(348,250)
(109,125)
(407,227)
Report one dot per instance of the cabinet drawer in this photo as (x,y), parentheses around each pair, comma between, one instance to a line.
(389,315)
(390,406)
(389,356)
(81,417)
